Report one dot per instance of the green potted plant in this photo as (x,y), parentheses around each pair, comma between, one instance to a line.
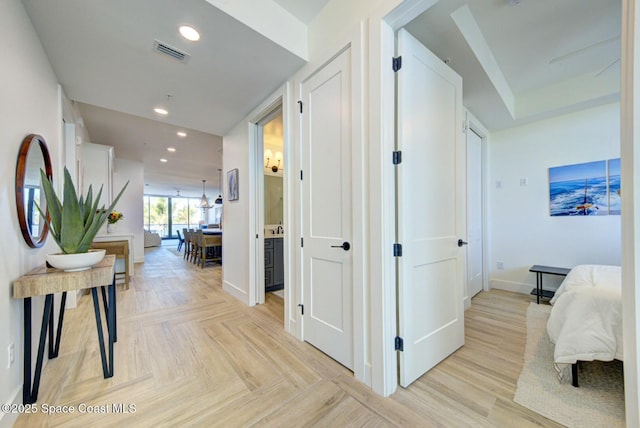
(74,222)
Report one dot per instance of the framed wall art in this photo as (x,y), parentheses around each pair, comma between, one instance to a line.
(232,185)
(591,188)
(614,187)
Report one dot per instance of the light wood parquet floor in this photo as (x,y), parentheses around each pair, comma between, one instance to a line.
(188,355)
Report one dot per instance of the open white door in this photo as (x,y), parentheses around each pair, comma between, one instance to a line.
(431,210)
(327,206)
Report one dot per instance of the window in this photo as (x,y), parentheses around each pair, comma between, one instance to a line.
(165,215)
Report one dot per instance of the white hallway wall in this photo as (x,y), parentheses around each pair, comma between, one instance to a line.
(235,246)
(29,104)
(522,233)
(131,203)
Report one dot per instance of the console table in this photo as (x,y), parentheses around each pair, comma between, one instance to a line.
(120,249)
(44,281)
(111,237)
(548,270)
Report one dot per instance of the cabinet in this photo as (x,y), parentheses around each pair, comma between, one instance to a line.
(97,170)
(278,262)
(273,264)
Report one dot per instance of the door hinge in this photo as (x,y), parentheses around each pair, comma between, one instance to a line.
(397,250)
(399,344)
(300,174)
(300,104)
(257,236)
(397,63)
(465,126)
(301,306)
(397,157)
(302,242)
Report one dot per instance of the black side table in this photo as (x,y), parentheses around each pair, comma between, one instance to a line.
(549,270)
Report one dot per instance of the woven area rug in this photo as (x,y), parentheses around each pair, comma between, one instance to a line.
(598,402)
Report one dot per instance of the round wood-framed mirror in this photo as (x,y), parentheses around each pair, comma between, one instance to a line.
(33,156)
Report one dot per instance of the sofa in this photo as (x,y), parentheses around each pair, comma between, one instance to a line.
(151,239)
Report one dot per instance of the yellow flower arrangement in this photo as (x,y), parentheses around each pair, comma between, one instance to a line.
(114,217)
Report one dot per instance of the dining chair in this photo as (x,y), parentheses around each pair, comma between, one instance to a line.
(180,240)
(208,250)
(197,240)
(187,243)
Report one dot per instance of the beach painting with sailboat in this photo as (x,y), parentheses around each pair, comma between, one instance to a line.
(579,189)
(614,187)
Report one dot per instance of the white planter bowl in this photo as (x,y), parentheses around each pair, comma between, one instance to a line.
(75,262)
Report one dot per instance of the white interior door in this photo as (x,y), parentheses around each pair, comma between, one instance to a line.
(431,210)
(326,205)
(259,217)
(474,213)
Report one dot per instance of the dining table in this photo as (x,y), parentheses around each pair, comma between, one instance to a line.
(212,231)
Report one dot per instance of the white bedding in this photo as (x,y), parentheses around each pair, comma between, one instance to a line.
(586,319)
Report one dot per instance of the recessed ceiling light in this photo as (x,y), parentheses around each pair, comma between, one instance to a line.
(181,134)
(171,149)
(163,160)
(161,111)
(189,33)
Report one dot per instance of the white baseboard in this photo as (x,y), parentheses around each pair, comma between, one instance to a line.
(467,303)
(516,287)
(291,327)
(7,420)
(236,292)
(368,370)
(138,259)
(73,297)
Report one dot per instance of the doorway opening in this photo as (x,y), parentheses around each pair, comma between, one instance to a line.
(475,212)
(270,206)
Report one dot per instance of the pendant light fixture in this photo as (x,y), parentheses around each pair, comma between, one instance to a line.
(204,202)
(219,199)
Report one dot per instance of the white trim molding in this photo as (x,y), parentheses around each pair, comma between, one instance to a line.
(630,156)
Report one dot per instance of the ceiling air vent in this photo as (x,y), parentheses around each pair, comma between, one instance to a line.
(174,53)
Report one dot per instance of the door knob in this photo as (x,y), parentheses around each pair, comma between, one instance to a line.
(345,246)
(461,243)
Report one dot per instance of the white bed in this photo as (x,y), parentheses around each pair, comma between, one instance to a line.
(585,323)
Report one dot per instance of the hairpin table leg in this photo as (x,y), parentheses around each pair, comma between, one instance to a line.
(29,390)
(110,314)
